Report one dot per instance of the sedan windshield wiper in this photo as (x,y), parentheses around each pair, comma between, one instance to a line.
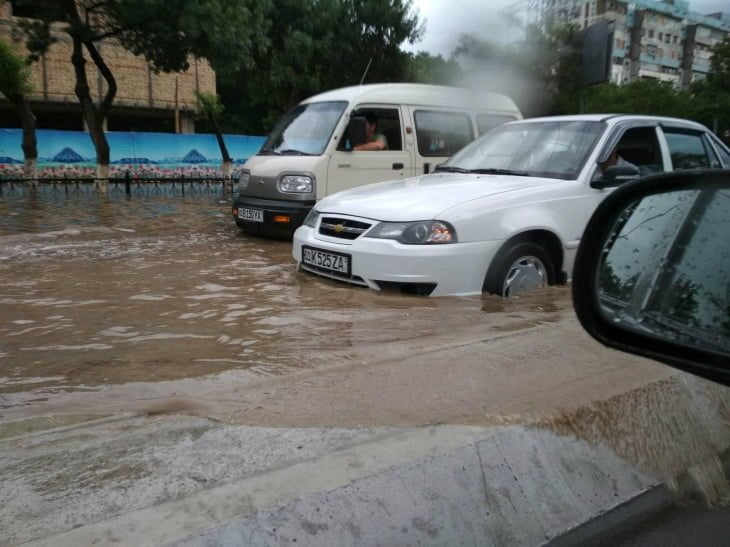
(450,169)
(267,151)
(499,172)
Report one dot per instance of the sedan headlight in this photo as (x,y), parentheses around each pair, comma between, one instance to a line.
(296,184)
(243,181)
(427,232)
(311,218)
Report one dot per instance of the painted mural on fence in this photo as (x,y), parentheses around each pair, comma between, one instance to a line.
(71,153)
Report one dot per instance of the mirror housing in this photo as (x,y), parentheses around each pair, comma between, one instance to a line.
(356,131)
(616,175)
(651,273)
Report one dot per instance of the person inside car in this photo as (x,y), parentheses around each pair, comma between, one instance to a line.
(374,140)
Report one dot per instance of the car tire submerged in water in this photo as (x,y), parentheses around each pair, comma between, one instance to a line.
(519,267)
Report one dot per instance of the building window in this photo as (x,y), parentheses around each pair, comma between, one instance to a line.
(661,35)
(674,39)
(651,33)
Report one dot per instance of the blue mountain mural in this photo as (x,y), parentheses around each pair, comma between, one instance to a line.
(68,155)
(194,157)
(8,160)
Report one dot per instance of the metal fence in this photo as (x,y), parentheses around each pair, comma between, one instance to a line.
(119,186)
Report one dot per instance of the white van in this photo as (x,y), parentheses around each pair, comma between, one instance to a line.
(308,155)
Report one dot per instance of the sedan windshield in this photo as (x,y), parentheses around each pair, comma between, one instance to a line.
(537,149)
(304,130)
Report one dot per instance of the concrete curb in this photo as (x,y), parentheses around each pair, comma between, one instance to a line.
(692,487)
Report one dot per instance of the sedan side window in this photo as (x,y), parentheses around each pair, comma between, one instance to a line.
(689,150)
(639,147)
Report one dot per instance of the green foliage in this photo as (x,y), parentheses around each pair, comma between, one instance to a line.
(210,103)
(713,93)
(650,97)
(14,73)
(315,45)
(166,33)
(425,68)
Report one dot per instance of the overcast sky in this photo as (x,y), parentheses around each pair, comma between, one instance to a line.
(446,20)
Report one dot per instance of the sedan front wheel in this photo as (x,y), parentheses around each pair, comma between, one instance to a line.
(519,268)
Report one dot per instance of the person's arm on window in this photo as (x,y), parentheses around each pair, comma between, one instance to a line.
(378,143)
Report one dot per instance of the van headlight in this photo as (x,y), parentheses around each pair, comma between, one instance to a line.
(243,181)
(427,232)
(296,184)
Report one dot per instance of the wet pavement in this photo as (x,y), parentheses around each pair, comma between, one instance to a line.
(109,303)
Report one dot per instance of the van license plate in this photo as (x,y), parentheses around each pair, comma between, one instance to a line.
(255,215)
(330,261)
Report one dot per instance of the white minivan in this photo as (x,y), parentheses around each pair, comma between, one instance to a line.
(309,154)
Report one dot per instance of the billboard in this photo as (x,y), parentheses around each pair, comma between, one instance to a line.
(596,46)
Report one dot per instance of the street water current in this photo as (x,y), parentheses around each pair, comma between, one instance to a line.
(112,303)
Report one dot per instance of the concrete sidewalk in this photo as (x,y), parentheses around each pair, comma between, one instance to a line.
(190,481)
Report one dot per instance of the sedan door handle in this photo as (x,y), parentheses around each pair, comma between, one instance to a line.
(397,166)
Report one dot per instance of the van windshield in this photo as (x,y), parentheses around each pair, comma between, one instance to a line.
(537,149)
(305,130)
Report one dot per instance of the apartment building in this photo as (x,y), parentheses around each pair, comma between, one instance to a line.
(653,39)
(145,101)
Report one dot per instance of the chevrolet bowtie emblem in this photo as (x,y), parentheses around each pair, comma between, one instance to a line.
(339,227)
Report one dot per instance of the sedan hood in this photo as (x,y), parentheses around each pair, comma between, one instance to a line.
(424,197)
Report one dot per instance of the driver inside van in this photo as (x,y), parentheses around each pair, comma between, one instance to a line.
(373,139)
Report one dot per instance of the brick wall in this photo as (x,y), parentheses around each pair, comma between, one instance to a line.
(53,76)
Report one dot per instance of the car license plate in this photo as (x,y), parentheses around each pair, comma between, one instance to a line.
(339,263)
(255,215)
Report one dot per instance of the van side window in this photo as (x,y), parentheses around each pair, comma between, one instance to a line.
(388,125)
(487,122)
(442,133)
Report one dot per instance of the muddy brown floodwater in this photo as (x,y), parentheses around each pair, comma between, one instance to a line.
(160,304)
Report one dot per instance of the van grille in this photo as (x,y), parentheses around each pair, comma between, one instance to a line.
(342,228)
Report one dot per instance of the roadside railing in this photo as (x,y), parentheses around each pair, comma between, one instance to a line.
(126,185)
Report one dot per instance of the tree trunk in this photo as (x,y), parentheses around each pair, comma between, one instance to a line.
(89,111)
(29,144)
(227,164)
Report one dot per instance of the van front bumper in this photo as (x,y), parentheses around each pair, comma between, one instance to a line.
(274,218)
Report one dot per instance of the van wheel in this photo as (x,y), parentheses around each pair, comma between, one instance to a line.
(518,268)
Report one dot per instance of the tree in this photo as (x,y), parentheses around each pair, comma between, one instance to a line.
(166,33)
(425,68)
(212,107)
(15,85)
(650,97)
(713,93)
(316,45)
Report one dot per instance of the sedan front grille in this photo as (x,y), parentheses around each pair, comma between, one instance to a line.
(342,228)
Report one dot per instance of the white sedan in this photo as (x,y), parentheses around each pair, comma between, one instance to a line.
(503,215)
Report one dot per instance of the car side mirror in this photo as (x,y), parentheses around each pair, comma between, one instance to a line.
(652,273)
(356,131)
(616,175)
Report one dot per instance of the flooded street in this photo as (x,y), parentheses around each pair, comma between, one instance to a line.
(162,373)
(114,304)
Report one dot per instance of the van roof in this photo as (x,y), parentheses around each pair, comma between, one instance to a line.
(420,94)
